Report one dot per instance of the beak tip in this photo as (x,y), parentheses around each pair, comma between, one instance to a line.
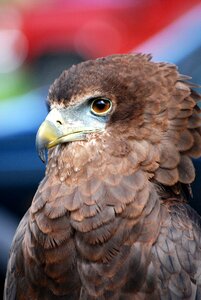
(42,155)
(47,133)
(41,150)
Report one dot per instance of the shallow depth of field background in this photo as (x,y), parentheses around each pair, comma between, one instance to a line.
(39,39)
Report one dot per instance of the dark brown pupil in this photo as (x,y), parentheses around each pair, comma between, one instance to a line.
(101,105)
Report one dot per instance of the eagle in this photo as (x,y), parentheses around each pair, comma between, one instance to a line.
(110,219)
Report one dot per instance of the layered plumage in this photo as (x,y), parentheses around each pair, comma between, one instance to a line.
(110,218)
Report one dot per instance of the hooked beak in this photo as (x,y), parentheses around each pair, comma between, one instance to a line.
(55,130)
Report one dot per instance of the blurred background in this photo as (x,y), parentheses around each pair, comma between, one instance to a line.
(39,39)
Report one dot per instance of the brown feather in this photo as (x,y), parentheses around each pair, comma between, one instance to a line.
(167,176)
(186,170)
(185,141)
(195,150)
(109,220)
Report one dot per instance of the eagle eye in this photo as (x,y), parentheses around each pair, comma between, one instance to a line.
(101,106)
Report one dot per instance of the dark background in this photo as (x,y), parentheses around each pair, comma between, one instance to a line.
(38,41)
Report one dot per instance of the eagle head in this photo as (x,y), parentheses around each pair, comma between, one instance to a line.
(124,104)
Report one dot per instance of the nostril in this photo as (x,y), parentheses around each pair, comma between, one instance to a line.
(59,122)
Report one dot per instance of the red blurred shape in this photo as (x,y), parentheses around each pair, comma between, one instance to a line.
(96,30)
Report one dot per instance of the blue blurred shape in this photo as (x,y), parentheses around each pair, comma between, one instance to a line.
(177,40)
(19,121)
(8,225)
(22,114)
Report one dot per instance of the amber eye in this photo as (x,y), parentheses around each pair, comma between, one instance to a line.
(101,106)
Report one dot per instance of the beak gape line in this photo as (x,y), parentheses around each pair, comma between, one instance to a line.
(64,126)
(50,135)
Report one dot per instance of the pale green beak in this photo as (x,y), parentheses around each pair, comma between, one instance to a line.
(56,130)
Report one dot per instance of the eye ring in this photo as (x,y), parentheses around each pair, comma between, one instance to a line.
(101,106)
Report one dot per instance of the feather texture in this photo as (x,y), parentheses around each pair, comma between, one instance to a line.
(109,220)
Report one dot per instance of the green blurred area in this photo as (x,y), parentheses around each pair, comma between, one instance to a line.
(15,83)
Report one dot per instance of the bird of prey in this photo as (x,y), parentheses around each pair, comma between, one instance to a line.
(110,220)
